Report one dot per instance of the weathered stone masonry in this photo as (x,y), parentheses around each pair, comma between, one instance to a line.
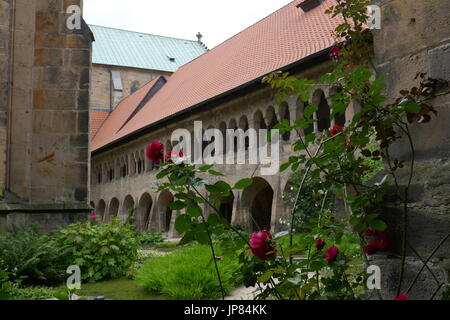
(415,37)
(44,105)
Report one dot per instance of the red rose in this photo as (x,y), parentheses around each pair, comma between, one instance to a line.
(331,254)
(155,151)
(382,235)
(320,243)
(372,247)
(335,130)
(370,232)
(384,245)
(260,244)
(402,296)
(93,217)
(334,53)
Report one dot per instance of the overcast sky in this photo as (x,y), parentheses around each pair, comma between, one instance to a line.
(217,20)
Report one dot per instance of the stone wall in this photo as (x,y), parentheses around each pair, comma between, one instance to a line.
(415,37)
(48,122)
(103,97)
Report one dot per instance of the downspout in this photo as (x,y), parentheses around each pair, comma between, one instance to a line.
(10,92)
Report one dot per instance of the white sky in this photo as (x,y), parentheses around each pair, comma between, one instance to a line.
(217,20)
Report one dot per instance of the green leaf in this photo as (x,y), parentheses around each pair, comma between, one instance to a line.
(182,223)
(216,173)
(194,211)
(309,111)
(379,225)
(284,166)
(243,183)
(206,168)
(177,205)
(412,107)
(266,276)
(202,237)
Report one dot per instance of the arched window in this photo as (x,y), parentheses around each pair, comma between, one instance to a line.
(243,124)
(323,112)
(134,87)
(284,115)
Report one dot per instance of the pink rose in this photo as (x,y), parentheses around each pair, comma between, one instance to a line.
(331,254)
(320,243)
(155,151)
(261,246)
(93,217)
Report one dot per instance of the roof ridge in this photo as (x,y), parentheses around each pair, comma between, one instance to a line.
(149,34)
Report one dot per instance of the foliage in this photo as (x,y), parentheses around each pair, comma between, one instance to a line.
(32,293)
(101,251)
(188,274)
(340,164)
(32,258)
(149,239)
(6,286)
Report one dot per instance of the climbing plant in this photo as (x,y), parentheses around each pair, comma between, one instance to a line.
(352,165)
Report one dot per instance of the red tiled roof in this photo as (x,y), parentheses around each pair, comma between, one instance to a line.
(97,118)
(286,36)
(123,111)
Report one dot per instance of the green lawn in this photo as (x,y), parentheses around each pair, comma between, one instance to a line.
(118,289)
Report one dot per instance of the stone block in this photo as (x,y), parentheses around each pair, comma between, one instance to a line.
(48,57)
(25,18)
(59,78)
(54,99)
(83,122)
(47,22)
(23,55)
(46,40)
(4,13)
(65,122)
(410,26)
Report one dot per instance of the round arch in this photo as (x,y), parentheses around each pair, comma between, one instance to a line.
(284,115)
(226,207)
(323,111)
(100,209)
(258,200)
(143,212)
(113,208)
(164,213)
(128,207)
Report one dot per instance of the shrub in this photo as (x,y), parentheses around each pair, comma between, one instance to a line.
(188,274)
(148,239)
(101,251)
(32,258)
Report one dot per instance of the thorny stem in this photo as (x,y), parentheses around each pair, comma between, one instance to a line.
(405,208)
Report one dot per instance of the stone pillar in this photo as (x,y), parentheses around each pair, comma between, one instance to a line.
(47,166)
(415,37)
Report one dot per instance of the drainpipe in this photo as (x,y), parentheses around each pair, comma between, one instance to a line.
(10,92)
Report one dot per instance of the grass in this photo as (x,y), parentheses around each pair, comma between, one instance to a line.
(188,273)
(118,289)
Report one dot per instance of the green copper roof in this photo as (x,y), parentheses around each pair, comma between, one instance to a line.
(140,50)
